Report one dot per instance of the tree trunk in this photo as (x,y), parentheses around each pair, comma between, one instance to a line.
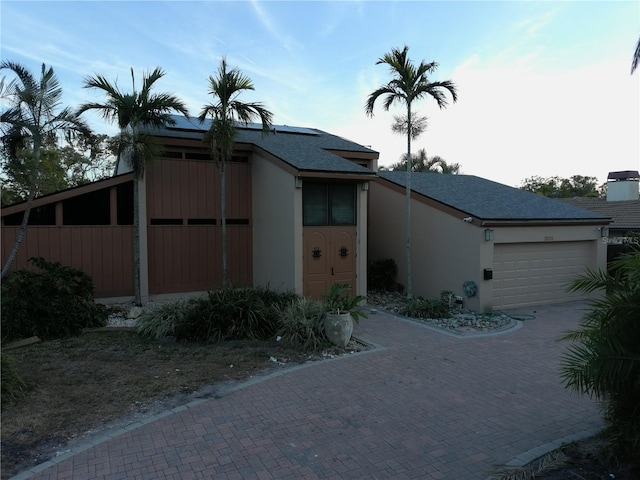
(223,206)
(408,206)
(136,241)
(27,211)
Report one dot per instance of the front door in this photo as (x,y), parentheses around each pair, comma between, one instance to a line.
(329,258)
(329,236)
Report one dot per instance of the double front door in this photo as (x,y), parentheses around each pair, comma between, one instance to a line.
(329,258)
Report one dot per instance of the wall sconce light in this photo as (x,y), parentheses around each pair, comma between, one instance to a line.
(365,186)
(488,235)
(604,231)
(298,182)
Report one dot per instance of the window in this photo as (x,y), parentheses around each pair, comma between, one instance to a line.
(328,204)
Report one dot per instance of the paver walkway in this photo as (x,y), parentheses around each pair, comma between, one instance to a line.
(424,405)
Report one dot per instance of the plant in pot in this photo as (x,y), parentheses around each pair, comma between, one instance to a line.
(342,310)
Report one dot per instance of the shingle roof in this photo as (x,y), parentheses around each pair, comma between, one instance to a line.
(488,200)
(303,148)
(625,214)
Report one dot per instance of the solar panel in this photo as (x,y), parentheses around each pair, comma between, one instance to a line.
(193,124)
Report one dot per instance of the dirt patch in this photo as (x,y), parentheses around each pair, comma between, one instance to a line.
(79,387)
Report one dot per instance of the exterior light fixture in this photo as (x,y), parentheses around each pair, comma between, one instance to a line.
(488,235)
(604,231)
(298,182)
(365,186)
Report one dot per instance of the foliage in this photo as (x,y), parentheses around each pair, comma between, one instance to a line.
(133,112)
(636,57)
(51,301)
(31,118)
(226,113)
(339,300)
(420,162)
(557,187)
(161,322)
(302,324)
(11,382)
(78,162)
(409,83)
(429,307)
(225,314)
(382,275)
(603,359)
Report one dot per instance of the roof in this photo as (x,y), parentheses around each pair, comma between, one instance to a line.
(625,214)
(488,200)
(306,149)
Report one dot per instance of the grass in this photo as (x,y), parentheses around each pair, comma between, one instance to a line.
(83,384)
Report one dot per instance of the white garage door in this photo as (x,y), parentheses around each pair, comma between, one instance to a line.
(538,273)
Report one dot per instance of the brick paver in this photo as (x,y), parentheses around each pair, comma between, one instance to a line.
(423,405)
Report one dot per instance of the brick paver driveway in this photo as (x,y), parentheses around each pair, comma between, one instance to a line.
(423,405)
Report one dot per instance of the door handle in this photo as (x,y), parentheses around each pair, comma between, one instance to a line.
(331,270)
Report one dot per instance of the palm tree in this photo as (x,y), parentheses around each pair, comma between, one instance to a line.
(133,112)
(604,358)
(409,84)
(636,57)
(33,119)
(422,163)
(226,113)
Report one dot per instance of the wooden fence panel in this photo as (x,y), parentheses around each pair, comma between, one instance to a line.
(103,252)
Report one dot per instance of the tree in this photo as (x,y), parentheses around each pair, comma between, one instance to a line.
(604,358)
(422,163)
(226,113)
(79,161)
(31,120)
(409,84)
(636,57)
(556,187)
(133,112)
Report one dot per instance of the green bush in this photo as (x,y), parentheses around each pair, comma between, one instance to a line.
(12,383)
(225,314)
(603,359)
(50,301)
(382,275)
(428,307)
(302,324)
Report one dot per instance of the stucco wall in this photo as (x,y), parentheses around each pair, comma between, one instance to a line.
(277,236)
(446,251)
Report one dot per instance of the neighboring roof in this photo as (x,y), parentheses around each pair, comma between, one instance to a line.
(305,149)
(625,214)
(488,200)
(624,175)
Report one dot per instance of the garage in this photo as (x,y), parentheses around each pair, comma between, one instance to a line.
(527,274)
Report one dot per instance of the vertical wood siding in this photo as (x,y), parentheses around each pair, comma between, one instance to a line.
(189,258)
(103,252)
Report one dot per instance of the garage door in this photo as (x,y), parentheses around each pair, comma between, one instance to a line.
(538,273)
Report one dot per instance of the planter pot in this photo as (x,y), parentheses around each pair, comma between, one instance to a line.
(338,328)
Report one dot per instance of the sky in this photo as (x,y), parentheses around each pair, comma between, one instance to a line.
(544,87)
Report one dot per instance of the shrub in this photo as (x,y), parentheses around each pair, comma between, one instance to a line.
(604,357)
(162,321)
(12,383)
(428,307)
(225,314)
(51,301)
(382,275)
(302,324)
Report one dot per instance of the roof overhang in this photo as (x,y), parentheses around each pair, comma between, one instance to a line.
(69,193)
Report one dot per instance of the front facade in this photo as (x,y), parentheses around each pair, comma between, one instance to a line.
(496,246)
(268,185)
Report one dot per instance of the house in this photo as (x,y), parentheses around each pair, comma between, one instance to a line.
(296,217)
(496,246)
(622,205)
